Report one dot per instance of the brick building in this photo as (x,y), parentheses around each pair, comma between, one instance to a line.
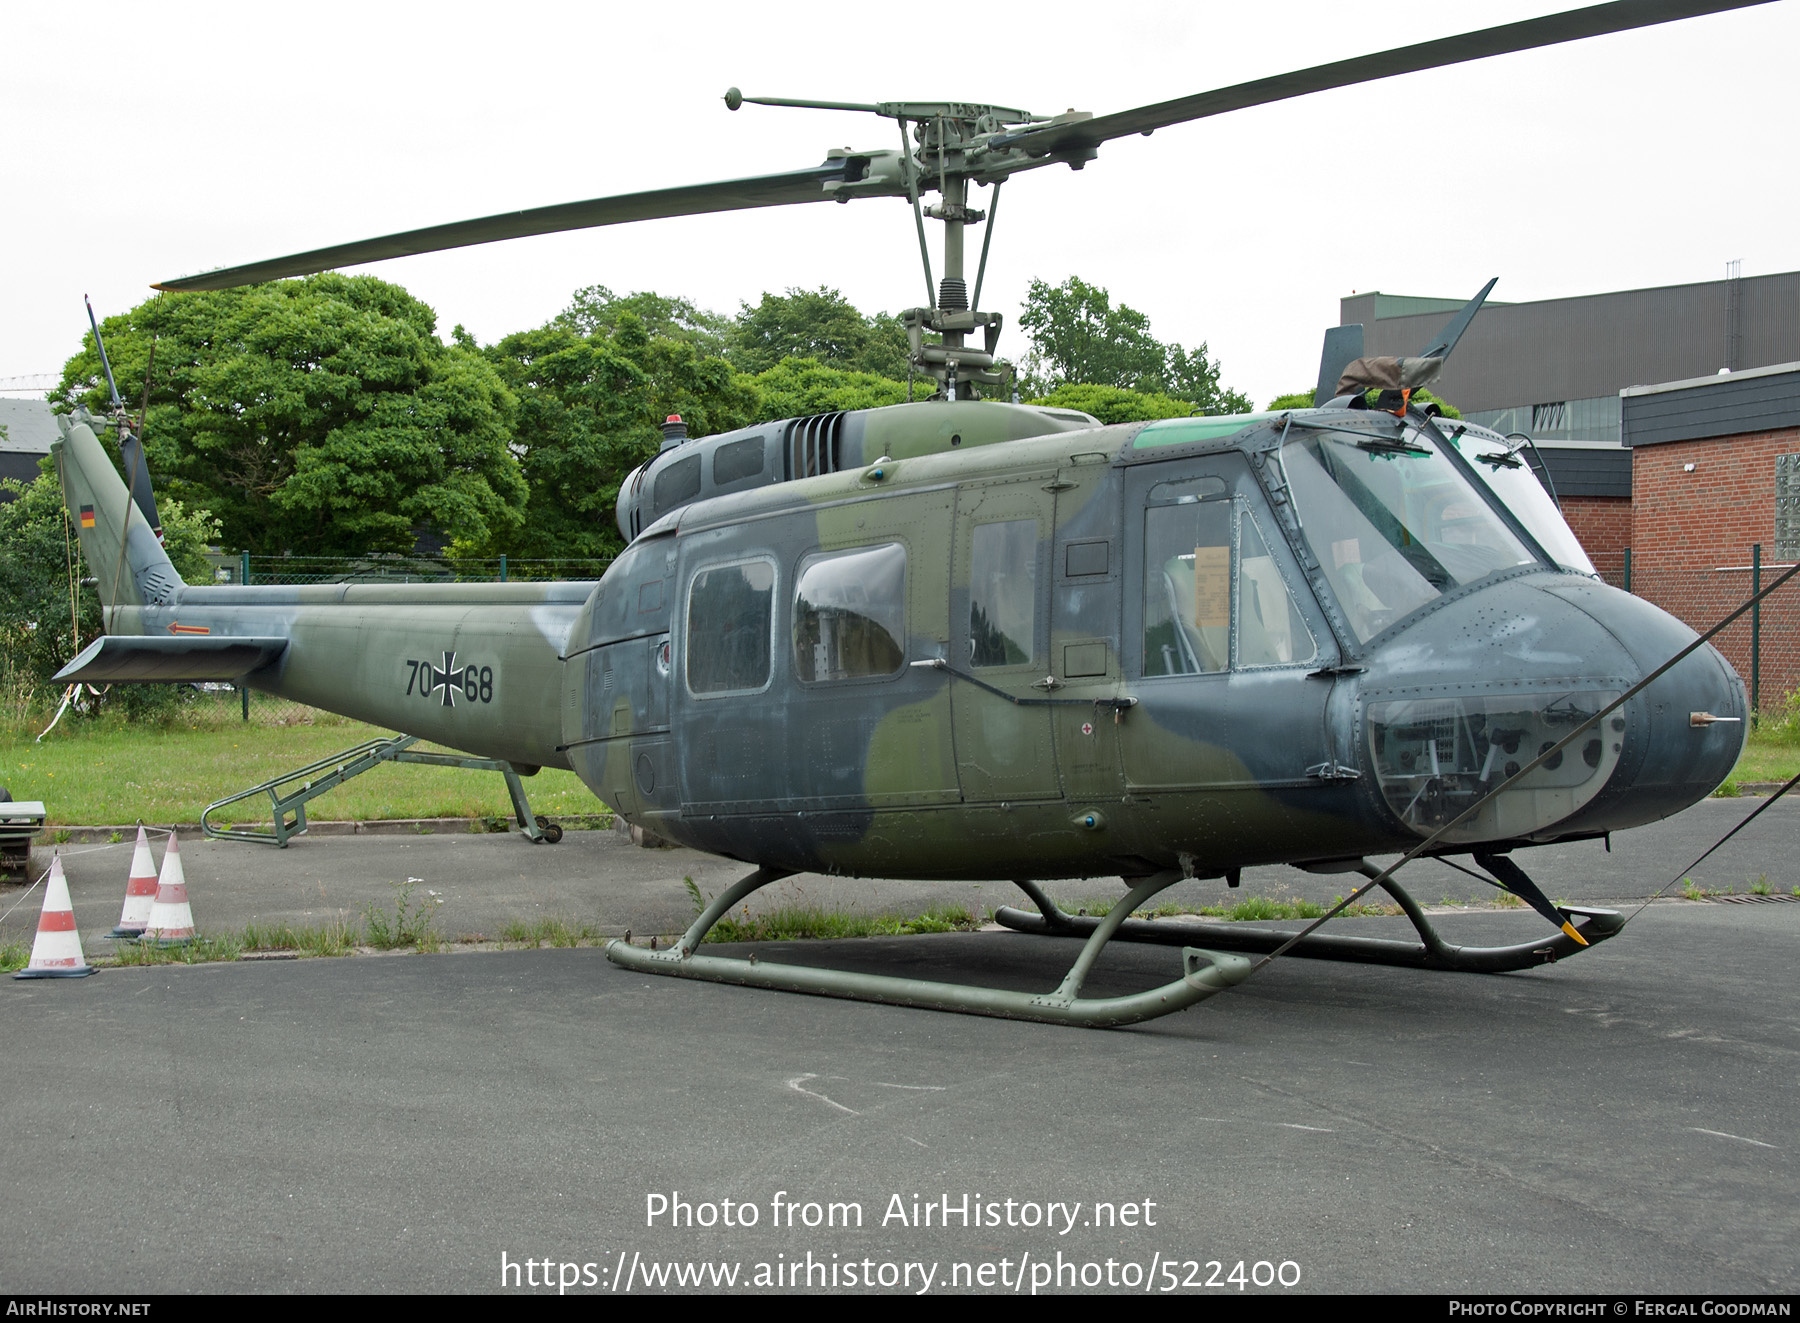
(1715,476)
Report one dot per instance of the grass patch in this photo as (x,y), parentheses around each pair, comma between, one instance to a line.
(1250,909)
(204,949)
(13,956)
(331,939)
(549,932)
(1772,752)
(808,922)
(101,771)
(1692,892)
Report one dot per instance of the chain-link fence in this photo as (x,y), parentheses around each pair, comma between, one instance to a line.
(1764,644)
(249,569)
(257,570)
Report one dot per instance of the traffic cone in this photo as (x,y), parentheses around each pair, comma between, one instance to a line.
(140,890)
(57,951)
(171,920)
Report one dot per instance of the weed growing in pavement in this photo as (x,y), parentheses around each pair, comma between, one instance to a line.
(411,924)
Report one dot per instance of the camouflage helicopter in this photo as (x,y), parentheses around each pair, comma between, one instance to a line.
(964,638)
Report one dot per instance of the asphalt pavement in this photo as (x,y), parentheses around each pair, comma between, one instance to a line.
(1615,1123)
(598,878)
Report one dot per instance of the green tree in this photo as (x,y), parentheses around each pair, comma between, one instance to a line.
(36,639)
(796,387)
(820,324)
(588,413)
(1113,404)
(596,308)
(1079,337)
(317,416)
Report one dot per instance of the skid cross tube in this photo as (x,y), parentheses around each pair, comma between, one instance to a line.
(289,810)
(1203,972)
(1430,952)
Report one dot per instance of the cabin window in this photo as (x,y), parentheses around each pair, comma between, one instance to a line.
(677,484)
(729,625)
(1003,560)
(850,614)
(737,460)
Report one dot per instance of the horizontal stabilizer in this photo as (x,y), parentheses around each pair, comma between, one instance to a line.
(126,659)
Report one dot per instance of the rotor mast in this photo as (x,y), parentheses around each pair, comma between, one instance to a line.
(946,145)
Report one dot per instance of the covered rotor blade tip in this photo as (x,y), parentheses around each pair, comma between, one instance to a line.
(1514,879)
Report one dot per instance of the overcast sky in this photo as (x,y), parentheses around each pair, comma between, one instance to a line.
(148,141)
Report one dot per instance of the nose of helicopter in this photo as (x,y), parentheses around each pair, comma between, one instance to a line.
(1470,694)
(1683,732)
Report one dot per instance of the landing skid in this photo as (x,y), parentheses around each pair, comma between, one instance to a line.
(1203,972)
(1430,952)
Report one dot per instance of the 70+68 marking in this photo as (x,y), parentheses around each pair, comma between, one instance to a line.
(449,680)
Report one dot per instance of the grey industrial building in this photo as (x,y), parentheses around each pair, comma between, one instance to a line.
(27,428)
(1555,369)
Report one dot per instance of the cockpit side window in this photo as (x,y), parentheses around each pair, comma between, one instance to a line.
(1187,588)
(1271,629)
(1195,588)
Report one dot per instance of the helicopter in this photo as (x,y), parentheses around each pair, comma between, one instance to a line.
(971,638)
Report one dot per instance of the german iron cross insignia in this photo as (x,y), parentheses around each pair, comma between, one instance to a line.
(449,679)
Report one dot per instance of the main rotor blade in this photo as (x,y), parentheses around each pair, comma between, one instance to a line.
(689,200)
(1551,30)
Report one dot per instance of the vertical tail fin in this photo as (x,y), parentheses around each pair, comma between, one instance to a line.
(121,548)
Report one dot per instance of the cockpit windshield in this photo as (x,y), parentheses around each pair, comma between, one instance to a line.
(1394,522)
(1501,465)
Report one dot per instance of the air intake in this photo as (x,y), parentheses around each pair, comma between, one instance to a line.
(812,445)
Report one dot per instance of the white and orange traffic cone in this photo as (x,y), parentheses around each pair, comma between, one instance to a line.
(57,951)
(171,920)
(140,890)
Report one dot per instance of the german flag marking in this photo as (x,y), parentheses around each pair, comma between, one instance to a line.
(87,516)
